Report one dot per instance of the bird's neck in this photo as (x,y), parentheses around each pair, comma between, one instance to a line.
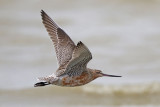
(92,73)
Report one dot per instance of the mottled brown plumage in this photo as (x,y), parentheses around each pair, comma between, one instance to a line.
(72,59)
(64,46)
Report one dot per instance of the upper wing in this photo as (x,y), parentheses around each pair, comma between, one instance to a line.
(64,46)
(80,57)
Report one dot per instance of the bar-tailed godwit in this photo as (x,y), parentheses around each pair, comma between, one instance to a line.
(72,59)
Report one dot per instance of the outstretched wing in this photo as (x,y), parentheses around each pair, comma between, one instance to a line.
(63,44)
(80,57)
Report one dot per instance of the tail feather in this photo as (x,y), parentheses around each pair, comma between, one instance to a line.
(41,84)
(46,80)
(42,79)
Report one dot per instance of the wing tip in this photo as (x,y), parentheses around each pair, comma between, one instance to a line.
(47,19)
(42,10)
(79,43)
(43,13)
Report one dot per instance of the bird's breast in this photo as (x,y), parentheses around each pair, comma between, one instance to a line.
(72,81)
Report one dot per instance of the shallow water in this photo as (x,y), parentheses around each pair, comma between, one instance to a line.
(124,39)
(91,95)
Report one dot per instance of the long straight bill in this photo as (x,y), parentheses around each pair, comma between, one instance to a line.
(110,75)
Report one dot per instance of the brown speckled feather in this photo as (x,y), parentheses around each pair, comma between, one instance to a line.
(80,57)
(64,46)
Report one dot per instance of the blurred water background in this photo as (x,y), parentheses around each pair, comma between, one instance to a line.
(123,36)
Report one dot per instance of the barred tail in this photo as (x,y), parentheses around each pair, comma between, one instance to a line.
(46,80)
(43,81)
(41,84)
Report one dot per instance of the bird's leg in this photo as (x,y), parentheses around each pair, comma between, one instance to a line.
(41,84)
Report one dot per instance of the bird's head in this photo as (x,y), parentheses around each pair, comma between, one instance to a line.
(99,73)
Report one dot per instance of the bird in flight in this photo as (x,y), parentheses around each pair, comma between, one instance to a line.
(72,59)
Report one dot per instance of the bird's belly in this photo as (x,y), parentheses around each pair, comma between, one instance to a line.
(72,81)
